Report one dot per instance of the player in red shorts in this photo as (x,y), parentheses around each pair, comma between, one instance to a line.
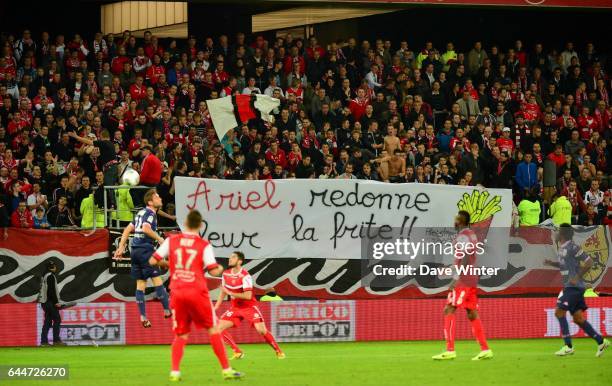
(238,284)
(463,292)
(188,256)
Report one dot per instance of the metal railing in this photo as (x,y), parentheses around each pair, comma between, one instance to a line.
(134,210)
(107,211)
(81,228)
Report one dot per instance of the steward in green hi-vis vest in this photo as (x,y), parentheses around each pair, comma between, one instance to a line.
(87,211)
(561,211)
(529,212)
(271,296)
(124,204)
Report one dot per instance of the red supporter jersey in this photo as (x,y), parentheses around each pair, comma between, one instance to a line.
(465,255)
(154,72)
(188,255)
(358,107)
(505,144)
(150,170)
(138,93)
(239,282)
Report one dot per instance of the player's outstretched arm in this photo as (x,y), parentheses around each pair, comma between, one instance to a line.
(124,236)
(219,301)
(552,263)
(216,272)
(162,263)
(160,256)
(458,262)
(146,228)
(584,268)
(166,215)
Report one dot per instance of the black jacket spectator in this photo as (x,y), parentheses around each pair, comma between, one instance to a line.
(59,217)
(5,219)
(304,169)
(469,163)
(503,173)
(64,151)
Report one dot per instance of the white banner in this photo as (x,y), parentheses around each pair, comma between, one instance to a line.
(326,218)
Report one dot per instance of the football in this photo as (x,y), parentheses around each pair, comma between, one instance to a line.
(130,177)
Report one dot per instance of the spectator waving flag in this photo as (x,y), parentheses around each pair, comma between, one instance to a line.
(231,111)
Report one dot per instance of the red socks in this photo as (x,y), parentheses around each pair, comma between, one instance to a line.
(217,345)
(227,337)
(449,331)
(178,347)
(270,340)
(478,332)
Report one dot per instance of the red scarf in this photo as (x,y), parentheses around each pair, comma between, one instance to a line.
(603,95)
(500,166)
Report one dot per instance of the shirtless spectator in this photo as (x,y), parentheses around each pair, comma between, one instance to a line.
(391,140)
(393,168)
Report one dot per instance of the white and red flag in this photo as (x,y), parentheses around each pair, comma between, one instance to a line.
(230,112)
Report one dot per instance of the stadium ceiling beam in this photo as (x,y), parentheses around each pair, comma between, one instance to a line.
(597,4)
(303,16)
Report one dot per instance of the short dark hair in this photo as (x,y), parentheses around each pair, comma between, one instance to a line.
(194,219)
(566,231)
(465,215)
(149,196)
(240,255)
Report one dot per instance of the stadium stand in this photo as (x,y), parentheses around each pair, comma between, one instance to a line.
(76,114)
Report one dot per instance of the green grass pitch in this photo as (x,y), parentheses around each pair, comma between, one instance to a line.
(516,362)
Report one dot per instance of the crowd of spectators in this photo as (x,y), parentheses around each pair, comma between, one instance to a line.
(76,114)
